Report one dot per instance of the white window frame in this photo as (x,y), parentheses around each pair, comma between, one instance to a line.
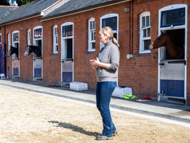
(114,31)
(141,43)
(55,39)
(90,33)
(9,41)
(1,38)
(37,27)
(29,37)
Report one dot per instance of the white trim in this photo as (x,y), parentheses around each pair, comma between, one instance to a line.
(16,31)
(29,38)
(89,35)
(37,27)
(114,31)
(141,44)
(66,24)
(185,27)
(9,41)
(1,38)
(54,39)
(13,43)
(53,7)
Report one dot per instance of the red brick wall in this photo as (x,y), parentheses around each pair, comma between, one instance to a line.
(147,62)
(26,64)
(140,73)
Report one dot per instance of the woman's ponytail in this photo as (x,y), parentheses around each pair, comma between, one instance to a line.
(115,41)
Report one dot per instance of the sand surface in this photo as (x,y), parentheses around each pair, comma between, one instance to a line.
(27,117)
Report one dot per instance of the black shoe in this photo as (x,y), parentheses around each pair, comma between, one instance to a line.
(114,133)
(102,137)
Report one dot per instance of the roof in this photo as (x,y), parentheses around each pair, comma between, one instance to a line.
(29,10)
(73,6)
(5,11)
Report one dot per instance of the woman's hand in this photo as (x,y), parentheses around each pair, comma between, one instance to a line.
(96,63)
(93,63)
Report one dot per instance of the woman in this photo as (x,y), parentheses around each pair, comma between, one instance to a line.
(106,65)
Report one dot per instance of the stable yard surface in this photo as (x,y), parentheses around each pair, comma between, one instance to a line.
(27,117)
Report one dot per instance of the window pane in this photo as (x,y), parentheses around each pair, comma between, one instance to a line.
(90,25)
(148,32)
(115,23)
(68,31)
(164,18)
(55,31)
(182,16)
(71,30)
(144,32)
(93,24)
(111,23)
(15,37)
(56,48)
(91,36)
(147,21)
(56,40)
(93,45)
(146,44)
(63,30)
(103,23)
(143,21)
(170,14)
(115,35)
(176,16)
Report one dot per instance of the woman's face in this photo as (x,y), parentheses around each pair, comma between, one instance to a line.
(103,38)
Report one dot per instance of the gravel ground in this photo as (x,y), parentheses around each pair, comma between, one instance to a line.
(28,117)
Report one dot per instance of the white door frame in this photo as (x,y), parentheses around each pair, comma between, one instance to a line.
(171,7)
(13,43)
(63,54)
(34,40)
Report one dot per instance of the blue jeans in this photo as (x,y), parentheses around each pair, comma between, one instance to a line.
(104,92)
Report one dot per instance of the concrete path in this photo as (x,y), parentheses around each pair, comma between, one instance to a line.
(158,109)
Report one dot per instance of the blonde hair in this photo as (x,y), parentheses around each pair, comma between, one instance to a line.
(108,31)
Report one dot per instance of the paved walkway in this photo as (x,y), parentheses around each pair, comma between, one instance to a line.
(159,109)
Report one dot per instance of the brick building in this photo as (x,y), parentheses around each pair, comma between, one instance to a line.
(67,33)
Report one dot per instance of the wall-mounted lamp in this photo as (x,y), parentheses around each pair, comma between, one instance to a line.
(126,9)
(129,56)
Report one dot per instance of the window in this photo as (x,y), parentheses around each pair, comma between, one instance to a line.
(91,34)
(29,37)
(110,20)
(0,38)
(174,17)
(9,41)
(67,31)
(15,37)
(37,33)
(145,32)
(55,39)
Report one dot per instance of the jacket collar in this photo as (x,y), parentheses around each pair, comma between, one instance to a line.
(108,43)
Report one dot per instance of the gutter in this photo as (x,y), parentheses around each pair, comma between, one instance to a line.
(82,10)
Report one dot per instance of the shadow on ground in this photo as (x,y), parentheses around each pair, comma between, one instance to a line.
(74,128)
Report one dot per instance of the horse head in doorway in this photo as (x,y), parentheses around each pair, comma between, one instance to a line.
(34,49)
(12,50)
(175,49)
